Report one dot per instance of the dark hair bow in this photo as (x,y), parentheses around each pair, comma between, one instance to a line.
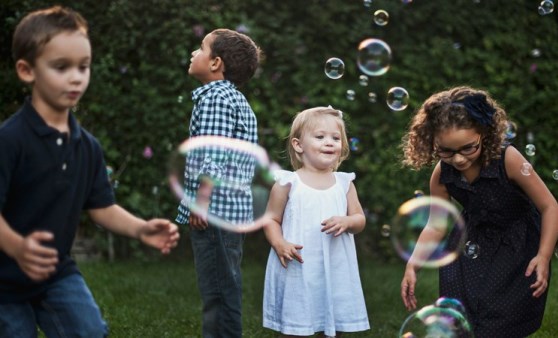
(478,108)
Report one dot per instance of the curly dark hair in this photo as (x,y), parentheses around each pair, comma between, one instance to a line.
(239,53)
(444,110)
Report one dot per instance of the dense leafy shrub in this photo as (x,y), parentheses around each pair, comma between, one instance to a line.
(140,93)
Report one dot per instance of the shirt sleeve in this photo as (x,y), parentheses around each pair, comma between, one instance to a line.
(102,194)
(7,165)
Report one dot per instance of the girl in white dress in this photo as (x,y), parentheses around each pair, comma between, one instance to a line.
(312,283)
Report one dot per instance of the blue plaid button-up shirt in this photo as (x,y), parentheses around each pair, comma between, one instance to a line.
(221,110)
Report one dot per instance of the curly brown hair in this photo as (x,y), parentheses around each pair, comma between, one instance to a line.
(444,110)
(240,55)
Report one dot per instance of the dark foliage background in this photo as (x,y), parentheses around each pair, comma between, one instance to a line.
(139,94)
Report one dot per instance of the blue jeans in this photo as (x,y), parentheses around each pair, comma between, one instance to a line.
(65,309)
(217,256)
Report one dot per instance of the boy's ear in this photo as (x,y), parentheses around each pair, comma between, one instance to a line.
(296,145)
(217,65)
(25,71)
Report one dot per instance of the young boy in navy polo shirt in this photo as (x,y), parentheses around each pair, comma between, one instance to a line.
(50,170)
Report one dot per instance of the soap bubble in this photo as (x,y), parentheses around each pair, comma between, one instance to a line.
(374,57)
(334,68)
(439,218)
(397,98)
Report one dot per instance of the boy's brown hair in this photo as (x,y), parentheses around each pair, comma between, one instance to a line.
(239,53)
(37,28)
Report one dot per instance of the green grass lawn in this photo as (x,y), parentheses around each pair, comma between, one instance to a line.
(160,299)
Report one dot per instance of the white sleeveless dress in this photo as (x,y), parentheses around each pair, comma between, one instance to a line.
(324,293)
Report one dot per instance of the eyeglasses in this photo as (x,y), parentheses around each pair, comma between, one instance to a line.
(465,151)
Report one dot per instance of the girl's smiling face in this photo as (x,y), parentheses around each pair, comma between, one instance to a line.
(460,148)
(320,145)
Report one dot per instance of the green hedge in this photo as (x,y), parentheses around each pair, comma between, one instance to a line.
(140,93)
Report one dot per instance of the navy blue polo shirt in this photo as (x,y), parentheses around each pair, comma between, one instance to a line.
(47,178)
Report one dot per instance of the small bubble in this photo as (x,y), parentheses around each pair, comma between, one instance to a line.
(530,150)
(381,17)
(374,57)
(372,97)
(536,53)
(555,174)
(386,230)
(471,250)
(546,7)
(363,80)
(334,68)
(350,95)
(397,98)
(511,130)
(180,99)
(367,3)
(526,169)
(354,144)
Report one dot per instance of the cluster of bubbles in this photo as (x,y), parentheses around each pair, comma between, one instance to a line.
(228,167)
(546,7)
(373,59)
(446,318)
(439,220)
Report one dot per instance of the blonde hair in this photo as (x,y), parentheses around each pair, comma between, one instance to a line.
(445,110)
(308,119)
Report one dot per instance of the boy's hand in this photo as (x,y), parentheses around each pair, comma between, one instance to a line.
(160,234)
(37,261)
(198,214)
(336,225)
(287,251)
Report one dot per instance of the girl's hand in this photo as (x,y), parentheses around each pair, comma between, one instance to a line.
(336,225)
(540,265)
(287,251)
(408,288)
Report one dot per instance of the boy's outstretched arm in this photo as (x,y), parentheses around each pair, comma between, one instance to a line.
(37,261)
(158,233)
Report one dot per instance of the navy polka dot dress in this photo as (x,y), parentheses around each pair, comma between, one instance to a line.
(504,225)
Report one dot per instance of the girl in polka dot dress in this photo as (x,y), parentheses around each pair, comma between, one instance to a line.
(510,214)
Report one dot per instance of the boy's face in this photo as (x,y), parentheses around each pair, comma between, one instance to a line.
(61,72)
(202,65)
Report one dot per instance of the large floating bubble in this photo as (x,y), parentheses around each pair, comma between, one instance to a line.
(224,169)
(436,322)
(437,222)
(374,57)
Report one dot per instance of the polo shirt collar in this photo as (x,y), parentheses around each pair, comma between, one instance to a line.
(39,125)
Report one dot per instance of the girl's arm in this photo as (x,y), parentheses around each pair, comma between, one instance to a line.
(428,235)
(272,228)
(545,202)
(353,223)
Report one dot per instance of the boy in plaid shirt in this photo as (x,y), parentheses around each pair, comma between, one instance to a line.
(225,60)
